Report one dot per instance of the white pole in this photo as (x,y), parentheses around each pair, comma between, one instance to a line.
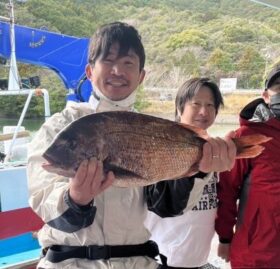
(7,158)
(46,103)
(13,74)
(29,92)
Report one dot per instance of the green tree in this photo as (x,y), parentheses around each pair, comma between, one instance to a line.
(220,61)
(252,65)
(190,37)
(188,62)
(239,31)
(141,103)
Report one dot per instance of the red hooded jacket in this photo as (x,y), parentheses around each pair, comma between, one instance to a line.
(249,196)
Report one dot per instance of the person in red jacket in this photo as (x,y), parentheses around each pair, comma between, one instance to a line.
(248,217)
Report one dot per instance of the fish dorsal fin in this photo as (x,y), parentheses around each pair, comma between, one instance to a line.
(199,131)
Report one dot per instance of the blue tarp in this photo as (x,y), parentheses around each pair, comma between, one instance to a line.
(66,55)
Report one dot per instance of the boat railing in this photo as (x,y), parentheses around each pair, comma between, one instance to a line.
(19,246)
(30,93)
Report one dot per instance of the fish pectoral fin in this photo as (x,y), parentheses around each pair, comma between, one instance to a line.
(120,172)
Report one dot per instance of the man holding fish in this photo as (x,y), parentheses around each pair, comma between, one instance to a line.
(89,222)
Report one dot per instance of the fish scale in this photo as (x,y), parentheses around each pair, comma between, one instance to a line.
(154,148)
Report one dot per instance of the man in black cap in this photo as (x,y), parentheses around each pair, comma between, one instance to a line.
(255,184)
(273,77)
(272,86)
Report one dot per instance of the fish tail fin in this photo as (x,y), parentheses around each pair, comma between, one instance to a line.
(249,146)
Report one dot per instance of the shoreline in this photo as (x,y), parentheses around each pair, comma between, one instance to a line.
(229,119)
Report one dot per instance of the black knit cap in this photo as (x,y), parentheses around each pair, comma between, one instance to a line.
(272,76)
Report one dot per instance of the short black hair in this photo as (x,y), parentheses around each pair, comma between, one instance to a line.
(190,88)
(117,32)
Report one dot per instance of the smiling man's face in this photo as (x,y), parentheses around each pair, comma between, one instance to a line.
(116,77)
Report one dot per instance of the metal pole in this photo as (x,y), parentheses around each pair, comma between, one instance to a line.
(5,19)
(7,158)
(29,93)
(13,74)
(46,103)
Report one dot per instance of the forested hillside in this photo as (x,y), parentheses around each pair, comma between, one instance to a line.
(183,38)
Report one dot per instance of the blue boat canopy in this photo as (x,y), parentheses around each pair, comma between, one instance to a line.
(66,55)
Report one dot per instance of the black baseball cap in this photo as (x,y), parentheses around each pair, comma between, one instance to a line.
(272,76)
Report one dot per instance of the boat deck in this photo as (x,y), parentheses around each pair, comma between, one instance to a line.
(19,247)
(19,252)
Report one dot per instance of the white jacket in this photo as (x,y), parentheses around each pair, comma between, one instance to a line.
(120,212)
